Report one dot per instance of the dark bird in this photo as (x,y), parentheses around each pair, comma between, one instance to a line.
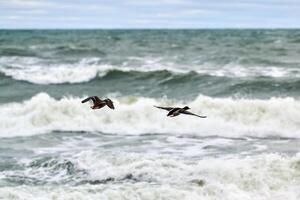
(98,103)
(175,111)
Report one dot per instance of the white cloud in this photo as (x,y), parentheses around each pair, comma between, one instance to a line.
(157,2)
(142,21)
(185,13)
(32,12)
(11,17)
(46,18)
(86,7)
(42,6)
(149,13)
(28,3)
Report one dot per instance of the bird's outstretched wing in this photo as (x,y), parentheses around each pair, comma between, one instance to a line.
(164,108)
(189,113)
(86,100)
(110,104)
(93,98)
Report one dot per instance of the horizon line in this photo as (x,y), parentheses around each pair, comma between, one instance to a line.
(162,28)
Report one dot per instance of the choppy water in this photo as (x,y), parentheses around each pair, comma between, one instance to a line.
(246,81)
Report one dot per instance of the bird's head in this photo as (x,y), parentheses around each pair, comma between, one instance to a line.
(109,103)
(186,108)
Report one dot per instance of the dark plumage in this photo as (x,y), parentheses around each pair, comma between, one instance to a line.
(98,103)
(175,111)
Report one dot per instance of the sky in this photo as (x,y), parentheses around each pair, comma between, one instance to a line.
(124,14)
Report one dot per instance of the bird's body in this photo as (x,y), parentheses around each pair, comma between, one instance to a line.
(175,111)
(98,103)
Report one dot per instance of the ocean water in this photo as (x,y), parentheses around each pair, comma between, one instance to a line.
(247,83)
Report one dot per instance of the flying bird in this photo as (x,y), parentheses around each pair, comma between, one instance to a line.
(98,103)
(175,111)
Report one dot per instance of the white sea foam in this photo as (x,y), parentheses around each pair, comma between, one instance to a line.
(261,177)
(38,71)
(136,115)
(35,71)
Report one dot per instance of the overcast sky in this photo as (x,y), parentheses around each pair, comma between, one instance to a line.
(149,14)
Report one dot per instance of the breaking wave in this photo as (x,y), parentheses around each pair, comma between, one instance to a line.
(136,176)
(136,115)
(38,71)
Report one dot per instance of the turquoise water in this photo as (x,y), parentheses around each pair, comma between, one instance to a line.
(246,82)
(152,63)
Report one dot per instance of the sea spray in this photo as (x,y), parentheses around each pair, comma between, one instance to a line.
(267,176)
(136,115)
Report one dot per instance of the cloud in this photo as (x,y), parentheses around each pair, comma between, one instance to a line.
(33,12)
(185,13)
(27,3)
(11,17)
(88,7)
(149,13)
(157,2)
(48,5)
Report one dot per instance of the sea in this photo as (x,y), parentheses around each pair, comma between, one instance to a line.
(246,81)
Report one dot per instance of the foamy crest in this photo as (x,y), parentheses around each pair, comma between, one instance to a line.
(255,176)
(38,71)
(35,71)
(136,115)
(233,70)
(262,177)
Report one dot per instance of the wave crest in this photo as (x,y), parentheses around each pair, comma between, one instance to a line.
(38,71)
(138,175)
(136,115)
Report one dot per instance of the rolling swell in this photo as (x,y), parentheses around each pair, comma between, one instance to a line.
(15,51)
(78,51)
(155,84)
